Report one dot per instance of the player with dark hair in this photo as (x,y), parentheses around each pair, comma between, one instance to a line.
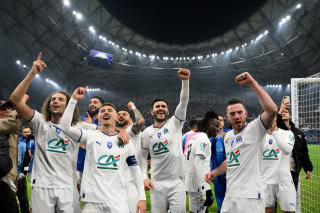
(163,140)
(103,187)
(198,163)
(243,151)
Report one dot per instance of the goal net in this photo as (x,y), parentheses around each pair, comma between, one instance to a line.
(305,96)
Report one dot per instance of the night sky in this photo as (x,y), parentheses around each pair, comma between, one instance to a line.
(182,21)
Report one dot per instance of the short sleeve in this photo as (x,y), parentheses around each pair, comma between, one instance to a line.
(36,120)
(202,146)
(257,127)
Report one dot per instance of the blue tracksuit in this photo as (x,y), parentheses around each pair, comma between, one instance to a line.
(218,155)
(31,146)
(22,147)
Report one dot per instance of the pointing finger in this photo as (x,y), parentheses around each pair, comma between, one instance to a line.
(39,56)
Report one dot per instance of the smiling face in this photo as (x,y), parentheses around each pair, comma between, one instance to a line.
(237,115)
(107,116)
(213,127)
(94,105)
(58,103)
(160,111)
(123,118)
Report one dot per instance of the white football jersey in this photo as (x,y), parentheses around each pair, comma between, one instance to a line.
(164,145)
(275,160)
(243,155)
(55,157)
(197,145)
(136,142)
(103,179)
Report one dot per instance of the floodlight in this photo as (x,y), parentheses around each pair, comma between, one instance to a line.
(24,66)
(18,62)
(298,6)
(66,2)
(79,16)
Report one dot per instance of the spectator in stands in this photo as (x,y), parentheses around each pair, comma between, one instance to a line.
(23,162)
(9,127)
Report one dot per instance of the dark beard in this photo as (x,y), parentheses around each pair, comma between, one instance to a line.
(93,113)
(123,124)
(160,119)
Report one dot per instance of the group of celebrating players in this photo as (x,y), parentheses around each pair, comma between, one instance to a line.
(255,156)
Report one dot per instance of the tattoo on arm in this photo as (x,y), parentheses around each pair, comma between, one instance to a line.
(137,126)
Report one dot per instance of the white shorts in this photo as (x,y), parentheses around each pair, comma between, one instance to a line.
(242,205)
(170,194)
(285,194)
(51,200)
(133,197)
(196,201)
(103,208)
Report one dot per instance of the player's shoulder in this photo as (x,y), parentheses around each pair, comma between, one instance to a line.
(229,134)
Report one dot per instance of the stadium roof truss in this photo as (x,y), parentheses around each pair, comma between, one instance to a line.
(267,50)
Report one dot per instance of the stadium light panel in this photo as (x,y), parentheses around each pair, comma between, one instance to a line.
(79,16)
(298,6)
(18,62)
(24,66)
(74,13)
(66,3)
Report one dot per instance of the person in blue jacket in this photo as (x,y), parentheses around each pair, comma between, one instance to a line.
(23,162)
(218,155)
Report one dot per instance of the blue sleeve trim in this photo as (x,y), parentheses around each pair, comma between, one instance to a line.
(132,161)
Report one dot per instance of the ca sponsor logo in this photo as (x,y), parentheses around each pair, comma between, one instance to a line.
(58,145)
(271,154)
(160,148)
(233,158)
(108,162)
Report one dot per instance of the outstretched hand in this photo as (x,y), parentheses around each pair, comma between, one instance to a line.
(184,74)
(38,65)
(244,78)
(79,93)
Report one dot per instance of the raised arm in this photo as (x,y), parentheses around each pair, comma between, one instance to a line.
(265,100)
(65,124)
(17,97)
(138,125)
(181,110)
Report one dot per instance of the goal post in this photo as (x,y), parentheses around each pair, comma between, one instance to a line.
(305,110)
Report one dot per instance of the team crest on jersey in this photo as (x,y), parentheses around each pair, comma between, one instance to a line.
(58,145)
(232,158)
(109,145)
(239,139)
(160,148)
(58,131)
(270,141)
(271,154)
(159,134)
(165,131)
(108,162)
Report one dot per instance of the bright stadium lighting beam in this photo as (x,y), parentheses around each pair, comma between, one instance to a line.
(18,62)
(298,6)
(79,16)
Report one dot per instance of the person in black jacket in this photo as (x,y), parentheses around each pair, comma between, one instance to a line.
(300,156)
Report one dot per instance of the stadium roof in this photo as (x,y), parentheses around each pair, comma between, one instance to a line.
(278,41)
